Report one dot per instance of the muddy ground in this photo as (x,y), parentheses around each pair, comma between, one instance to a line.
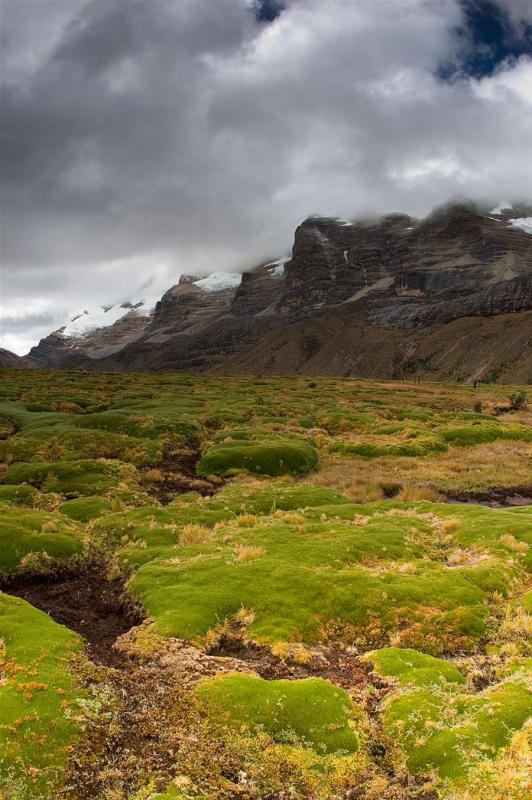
(520,495)
(86,602)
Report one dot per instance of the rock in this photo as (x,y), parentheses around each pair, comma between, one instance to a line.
(9,359)
(374,297)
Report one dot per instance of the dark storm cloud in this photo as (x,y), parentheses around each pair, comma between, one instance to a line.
(145,138)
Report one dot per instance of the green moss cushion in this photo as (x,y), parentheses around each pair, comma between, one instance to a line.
(311,712)
(278,456)
(38,700)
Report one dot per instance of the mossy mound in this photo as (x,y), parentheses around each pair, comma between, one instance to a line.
(68,444)
(35,540)
(83,509)
(22,495)
(434,725)
(277,456)
(451,733)
(412,668)
(351,572)
(141,425)
(276,496)
(484,431)
(415,444)
(84,477)
(310,712)
(38,700)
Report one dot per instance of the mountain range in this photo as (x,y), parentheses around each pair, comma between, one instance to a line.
(448,297)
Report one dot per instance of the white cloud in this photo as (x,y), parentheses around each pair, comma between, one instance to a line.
(511,83)
(147,138)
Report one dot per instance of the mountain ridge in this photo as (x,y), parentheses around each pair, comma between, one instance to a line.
(391,285)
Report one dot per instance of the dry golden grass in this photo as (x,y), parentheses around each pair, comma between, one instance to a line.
(506,778)
(154,475)
(461,469)
(249,553)
(49,527)
(290,517)
(292,651)
(514,544)
(414,493)
(195,534)
(517,624)
(246,520)
(459,558)
(117,505)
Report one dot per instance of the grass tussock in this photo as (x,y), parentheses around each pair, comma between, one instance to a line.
(249,553)
(195,534)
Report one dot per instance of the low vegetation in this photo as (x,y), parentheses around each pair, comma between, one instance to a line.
(334,577)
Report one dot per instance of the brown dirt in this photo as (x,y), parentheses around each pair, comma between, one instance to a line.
(177,475)
(344,669)
(136,740)
(150,723)
(86,602)
(497,497)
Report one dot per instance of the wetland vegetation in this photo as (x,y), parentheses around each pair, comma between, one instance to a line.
(223,587)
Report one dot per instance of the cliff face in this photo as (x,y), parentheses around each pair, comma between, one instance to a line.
(365,298)
(455,251)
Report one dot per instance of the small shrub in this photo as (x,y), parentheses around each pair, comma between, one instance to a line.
(518,400)
(311,346)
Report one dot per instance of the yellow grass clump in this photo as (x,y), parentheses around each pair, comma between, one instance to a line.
(249,553)
(49,527)
(246,520)
(415,493)
(195,534)
(514,544)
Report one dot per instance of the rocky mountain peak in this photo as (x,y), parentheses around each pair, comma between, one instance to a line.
(394,283)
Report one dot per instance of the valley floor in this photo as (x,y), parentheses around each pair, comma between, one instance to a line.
(263,588)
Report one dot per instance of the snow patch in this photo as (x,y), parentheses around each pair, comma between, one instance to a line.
(504,206)
(95,317)
(218,281)
(344,223)
(523,223)
(278,266)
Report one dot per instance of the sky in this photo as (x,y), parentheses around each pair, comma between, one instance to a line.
(142,139)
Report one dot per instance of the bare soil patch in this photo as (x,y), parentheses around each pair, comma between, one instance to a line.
(340,667)
(177,475)
(86,602)
(497,497)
